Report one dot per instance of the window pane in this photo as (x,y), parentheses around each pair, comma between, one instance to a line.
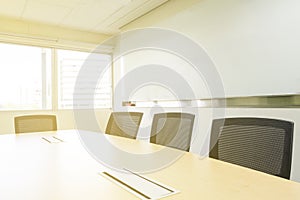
(94,89)
(25,77)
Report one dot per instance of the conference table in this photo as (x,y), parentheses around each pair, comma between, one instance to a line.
(59,165)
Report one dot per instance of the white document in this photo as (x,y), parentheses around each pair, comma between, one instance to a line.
(141,186)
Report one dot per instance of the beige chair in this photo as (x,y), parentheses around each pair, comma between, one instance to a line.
(124,124)
(172,130)
(35,123)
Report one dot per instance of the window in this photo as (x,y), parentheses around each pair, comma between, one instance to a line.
(92,83)
(25,77)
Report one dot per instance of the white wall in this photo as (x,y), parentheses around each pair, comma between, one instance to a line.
(179,67)
(254,45)
(257,39)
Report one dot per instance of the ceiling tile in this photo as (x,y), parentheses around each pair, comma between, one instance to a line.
(104,16)
(127,14)
(88,16)
(67,2)
(45,12)
(11,8)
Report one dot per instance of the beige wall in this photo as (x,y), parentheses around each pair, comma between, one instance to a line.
(65,119)
(21,32)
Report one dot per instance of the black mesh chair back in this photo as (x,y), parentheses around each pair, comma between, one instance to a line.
(124,124)
(35,123)
(257,143)
(172,130)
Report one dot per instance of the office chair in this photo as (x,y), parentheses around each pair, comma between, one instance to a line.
(124,124)
(172,130)
(257,143)
(35,123)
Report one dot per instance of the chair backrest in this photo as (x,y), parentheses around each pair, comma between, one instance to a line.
(172,130)
(124,124)
(257,143)
(35,123)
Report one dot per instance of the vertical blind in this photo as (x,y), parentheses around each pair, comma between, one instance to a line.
(84,80)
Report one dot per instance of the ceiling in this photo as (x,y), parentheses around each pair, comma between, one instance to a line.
(103,16)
